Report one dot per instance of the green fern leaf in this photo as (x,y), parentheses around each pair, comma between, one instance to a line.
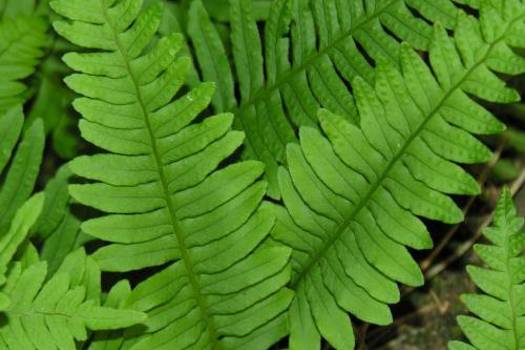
(353,197)
(19,212)
(9,243)
(159,182)
(53,314)
(24,219)
(21,41)
(57,228)
(19,179)
(330,43)
(23,171)
(498,315)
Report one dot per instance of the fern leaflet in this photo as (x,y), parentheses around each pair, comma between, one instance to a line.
(159,183)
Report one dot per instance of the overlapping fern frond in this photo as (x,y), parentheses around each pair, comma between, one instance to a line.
(57,228)
(19,212)
(353,195)
(497,322)
(159,183)
(329,42)
(37,314)
(53,314)
(22,39)
(19,179)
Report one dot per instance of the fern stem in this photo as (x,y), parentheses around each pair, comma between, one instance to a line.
(177,230)
(362,204)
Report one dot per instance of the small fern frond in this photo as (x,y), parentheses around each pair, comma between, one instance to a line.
(159,183)
(24,167)
(18,213)
(20,227)
(22,39)
(53,314)
(497,323)
(312,50)
(371,183)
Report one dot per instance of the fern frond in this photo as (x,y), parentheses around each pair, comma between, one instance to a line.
(21,41)
(53,314)
(9,243)
(24,167)
(353,198)
(497,322)
(19,213)
(19,180)
(57,228)
(330,43)
(159,183)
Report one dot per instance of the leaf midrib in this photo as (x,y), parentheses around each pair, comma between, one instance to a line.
(177,230)
(363,203)
(266,92)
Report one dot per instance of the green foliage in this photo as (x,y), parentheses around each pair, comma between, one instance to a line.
(312,50)
(168,202)
(12,239)
(41,310)
(19,213)
(352,117)
(497,321)
(53,313)
(21,41)
(57,228)
(371,181)
(52,104)
(24,36)
(19,179)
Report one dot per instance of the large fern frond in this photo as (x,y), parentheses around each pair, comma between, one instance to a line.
(160,184)
(499,312)
(22,39)
(329,42)
(53,314)
(353,199)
